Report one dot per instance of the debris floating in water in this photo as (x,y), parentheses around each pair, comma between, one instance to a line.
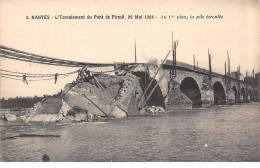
(30,135)
(45,158)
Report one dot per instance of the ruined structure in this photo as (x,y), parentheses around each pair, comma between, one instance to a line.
(140,89)
(134,89)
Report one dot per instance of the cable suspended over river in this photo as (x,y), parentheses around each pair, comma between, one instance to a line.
(19,76)
(23,76)
(10,53)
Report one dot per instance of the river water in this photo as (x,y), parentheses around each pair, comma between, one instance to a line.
(221,133)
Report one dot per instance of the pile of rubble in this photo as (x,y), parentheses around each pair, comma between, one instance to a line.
(155,109)
(93,98)
(152,110)
(101,96)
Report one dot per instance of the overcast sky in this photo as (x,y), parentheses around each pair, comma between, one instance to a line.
(105,41)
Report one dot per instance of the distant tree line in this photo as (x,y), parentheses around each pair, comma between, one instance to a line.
(18,103)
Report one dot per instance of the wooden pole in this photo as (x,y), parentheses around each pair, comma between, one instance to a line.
(175,57)
(225,73)
(62,95)
(135,52)
(209,65)
(172,49)
(194,66)
(95,105)
(253,75)
(98,84)
(228,64)
(145,76)
(173,70)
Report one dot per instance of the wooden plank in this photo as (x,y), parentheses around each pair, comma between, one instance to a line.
(99,85)
(95,105)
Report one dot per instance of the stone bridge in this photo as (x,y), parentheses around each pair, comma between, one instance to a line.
(194,87)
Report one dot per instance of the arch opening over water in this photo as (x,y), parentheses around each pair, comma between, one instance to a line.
(244,98)
(234,89)
(156,98)
(255,96)
(219,93)
(191,89)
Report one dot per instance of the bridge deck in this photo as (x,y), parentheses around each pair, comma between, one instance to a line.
(188,67)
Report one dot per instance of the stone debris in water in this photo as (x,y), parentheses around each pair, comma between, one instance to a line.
(93,100)
(9,117)
(155,109)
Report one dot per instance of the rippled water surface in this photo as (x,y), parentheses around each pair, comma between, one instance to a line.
(223,133)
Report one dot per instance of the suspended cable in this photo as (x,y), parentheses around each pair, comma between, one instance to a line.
(9,77)
(6,76)
(10,53)
(34,75)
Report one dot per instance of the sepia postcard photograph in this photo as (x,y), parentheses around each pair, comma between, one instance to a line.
(129,81)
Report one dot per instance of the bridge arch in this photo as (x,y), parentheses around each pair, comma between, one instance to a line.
(243,94)
(191,89)
(219,93)
(157,97)
(234,89)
